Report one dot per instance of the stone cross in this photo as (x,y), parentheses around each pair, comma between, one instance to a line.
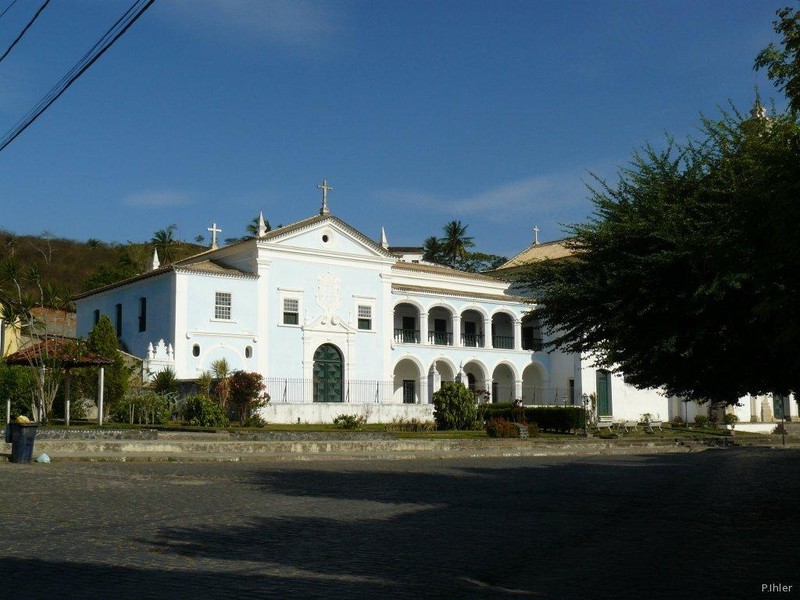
(325,189)
(535,234)
(214,231)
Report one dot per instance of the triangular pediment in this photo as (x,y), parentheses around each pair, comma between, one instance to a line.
(327,235)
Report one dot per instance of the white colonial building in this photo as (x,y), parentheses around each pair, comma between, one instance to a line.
(336,323)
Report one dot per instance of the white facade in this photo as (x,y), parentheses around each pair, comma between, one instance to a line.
(335,323)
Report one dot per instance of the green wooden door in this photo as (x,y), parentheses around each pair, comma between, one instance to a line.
(327,374)
(603,393)
(778,406)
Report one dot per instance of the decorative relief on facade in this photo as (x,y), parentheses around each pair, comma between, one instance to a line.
(329,296)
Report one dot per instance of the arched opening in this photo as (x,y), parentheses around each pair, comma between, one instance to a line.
(476,379)
(472,334)
(406,324)
(440,327)
(533,390)
(502,331)
(328,374)
(406,382)
(503,388)
(532,333)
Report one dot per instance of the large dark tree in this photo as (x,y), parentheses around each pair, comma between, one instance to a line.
(783,62)
(688,275)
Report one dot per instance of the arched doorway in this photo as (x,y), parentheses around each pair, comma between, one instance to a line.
(328,370)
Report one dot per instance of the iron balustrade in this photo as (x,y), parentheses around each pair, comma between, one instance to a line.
(406,336)
(503,341)
(472,340)
(440,338)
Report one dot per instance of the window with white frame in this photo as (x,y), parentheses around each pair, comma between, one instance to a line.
(222,306)
(291,311)
(365,317)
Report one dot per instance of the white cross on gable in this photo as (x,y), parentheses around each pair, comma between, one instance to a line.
(214,231)
(325,189)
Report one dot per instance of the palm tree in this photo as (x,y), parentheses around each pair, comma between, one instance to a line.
(165,243)
(455,243)
(252,228)
(432,250)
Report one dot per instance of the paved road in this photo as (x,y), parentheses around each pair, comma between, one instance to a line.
(718,524)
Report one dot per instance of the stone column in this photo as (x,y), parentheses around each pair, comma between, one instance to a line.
(487,333)
(517,334)
(457,330)
(423,328)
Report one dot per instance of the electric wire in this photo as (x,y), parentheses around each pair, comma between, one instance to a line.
(107,40)
(7,8)
(24,30)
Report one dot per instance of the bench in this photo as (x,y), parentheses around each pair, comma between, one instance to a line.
(628,424)
(604,423)
(651,425)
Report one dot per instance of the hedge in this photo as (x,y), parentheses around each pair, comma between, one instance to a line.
(562,419)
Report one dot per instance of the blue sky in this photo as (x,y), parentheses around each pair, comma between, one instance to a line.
(416,112)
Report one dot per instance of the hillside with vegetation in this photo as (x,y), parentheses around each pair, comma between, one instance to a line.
(66,267)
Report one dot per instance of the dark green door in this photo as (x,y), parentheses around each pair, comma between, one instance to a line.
(779,406)
(603,393)
(327,374)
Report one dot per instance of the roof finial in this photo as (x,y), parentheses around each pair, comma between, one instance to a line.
(262,226)
(214,231)
(384,241)
(325,189)
(535,235)
(156,262)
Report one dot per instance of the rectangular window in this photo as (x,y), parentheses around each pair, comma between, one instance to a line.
(291,311)
(142,314)
(118,319)
(222,306)
(409,393)
(364,317)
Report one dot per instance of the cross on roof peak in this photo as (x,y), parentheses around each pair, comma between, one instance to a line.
(325,189)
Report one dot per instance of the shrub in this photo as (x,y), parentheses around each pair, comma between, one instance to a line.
(414,425)
(145,409)
(677,422)
(454,407)
(349,422)
(203,411)
(165,382)
(254,420)
(730,419)
(561,419)
(497,427)
(533,430)
(246,393)
(701,421)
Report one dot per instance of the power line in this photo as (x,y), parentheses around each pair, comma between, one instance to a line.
(116,31)
(7,8)
(25,29)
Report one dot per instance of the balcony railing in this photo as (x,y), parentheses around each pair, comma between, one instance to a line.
(503,341)
(536,344)
(406,336)
(472,340)
(440,338)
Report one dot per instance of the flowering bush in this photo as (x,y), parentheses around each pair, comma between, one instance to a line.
(247,393)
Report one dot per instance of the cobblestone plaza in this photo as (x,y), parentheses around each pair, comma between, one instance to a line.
(721,523)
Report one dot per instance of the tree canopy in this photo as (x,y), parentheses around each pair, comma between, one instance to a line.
(452,250)
(688,275)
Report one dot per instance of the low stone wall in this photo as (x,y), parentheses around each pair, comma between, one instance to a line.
(44,433)
(327,412)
